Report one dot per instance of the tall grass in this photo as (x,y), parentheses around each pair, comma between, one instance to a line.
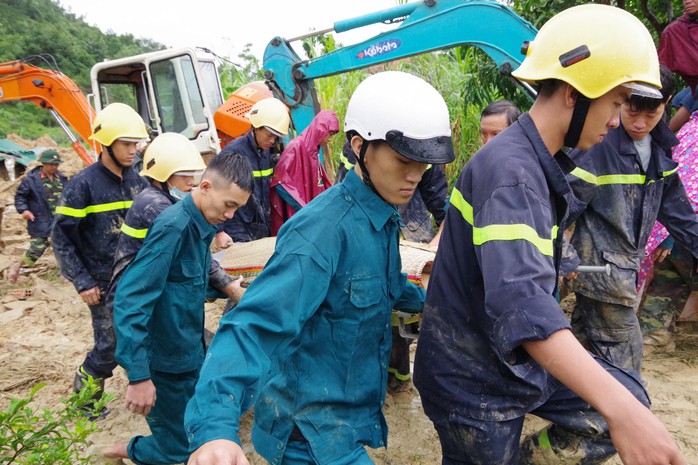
(465,77)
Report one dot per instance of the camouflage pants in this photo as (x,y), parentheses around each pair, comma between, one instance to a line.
(666,294)
(37,247)
(578,434)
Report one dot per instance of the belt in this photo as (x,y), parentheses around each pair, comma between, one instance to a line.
(297,436)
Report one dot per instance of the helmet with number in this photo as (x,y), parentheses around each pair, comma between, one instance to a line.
(594,48)
(171,153)
(272,114)
(118,121)
(50,156)
(406,112)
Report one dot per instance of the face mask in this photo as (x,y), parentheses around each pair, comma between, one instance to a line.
(176,193)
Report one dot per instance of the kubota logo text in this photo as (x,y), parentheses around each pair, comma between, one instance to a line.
(379,48)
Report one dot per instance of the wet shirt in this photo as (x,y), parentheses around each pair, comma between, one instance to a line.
(623,201)
(88,218)
(319,316)
(39,194)
(494,279)
(159,302)
(252,221)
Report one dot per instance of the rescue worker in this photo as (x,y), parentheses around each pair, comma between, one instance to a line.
(159,309)
(171,163)
(494,345)
(270,121)
(35,200)
(627,182)
(416,225)
(299,176)
(496,117)
(86,228)
(321,352)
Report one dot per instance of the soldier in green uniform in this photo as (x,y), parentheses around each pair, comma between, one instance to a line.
(36,200)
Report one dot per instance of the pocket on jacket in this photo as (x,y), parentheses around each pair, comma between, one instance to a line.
(188,270)
(622,260)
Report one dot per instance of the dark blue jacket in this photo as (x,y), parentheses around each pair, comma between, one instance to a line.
(623,203)
(430,197)
(86,229)
(31,195)
(494,279)
(252,221)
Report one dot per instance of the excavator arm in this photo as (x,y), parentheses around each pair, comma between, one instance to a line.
(53,91)
(425,26)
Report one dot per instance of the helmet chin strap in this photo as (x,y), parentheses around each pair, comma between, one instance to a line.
(113,157)
(579,116)
(364,172)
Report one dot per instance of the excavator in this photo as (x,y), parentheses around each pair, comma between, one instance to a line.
(179,89)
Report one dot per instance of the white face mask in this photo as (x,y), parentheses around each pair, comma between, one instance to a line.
(176,193)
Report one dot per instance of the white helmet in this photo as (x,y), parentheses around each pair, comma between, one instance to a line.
(406,112)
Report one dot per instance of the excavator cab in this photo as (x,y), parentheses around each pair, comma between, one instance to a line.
(173,90)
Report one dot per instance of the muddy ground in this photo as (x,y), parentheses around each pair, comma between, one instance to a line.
(45,333)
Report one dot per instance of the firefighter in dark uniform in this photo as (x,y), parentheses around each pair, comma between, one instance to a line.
(260,146)
(35,200)
(628,182)
(494,344)
(86,229)
(170,164)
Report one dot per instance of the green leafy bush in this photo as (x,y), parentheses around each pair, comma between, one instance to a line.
(49,436)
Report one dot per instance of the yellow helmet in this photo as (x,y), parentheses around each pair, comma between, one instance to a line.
(118,121)
(272,114)
(171,153)
(594,48)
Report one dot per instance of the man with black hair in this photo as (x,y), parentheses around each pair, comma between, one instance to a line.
(159,310)
(627,182)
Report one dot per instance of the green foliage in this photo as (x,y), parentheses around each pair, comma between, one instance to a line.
(233,75)
(56,436)
(34,27)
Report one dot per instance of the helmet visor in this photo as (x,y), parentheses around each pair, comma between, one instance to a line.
(643,90)
(436,150)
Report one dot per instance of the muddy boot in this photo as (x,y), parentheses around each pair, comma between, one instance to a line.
(13,272)
(79,383)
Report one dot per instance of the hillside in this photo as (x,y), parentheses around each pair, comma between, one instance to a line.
(35,27)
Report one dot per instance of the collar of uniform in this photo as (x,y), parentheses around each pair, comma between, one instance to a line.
(377,209)
(661,135)
(202,226)
(554,167)
(126,173)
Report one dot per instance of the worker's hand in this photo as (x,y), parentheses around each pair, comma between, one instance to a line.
(234,290)
(140,397)
(91,296)
(218,452)
(572,275)
(27,215)
(641,439)
(223,240)
(659,254)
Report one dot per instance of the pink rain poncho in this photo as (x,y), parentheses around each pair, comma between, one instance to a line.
(685,155)
(299,176)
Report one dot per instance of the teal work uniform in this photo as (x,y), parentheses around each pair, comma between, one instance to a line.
(314,329)
(159,321)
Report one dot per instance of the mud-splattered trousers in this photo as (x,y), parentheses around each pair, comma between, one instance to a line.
(159,321)
(493,288)
(40,195)
(84,236)
(623,201)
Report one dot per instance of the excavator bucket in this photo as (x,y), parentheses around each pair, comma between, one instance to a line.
(230,118)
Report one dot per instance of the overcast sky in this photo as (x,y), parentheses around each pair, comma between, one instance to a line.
(225,26)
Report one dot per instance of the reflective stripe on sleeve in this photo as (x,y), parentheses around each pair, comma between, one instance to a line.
(608,179)
(503,232)
(100,208)
(133,232)
(263,173)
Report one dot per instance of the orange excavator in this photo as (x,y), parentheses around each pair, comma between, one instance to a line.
(51,90)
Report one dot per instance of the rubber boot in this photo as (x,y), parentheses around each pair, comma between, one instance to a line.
(79,382)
